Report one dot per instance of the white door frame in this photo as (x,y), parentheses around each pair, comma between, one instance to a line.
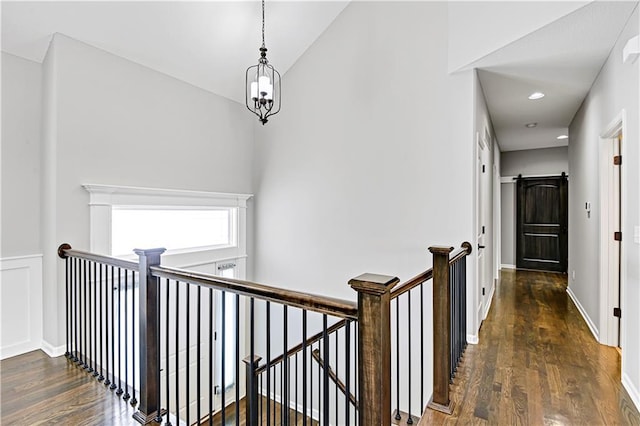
(609,254)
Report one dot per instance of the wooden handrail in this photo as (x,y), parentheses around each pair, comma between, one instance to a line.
(334,378)
(465,250)
(412,283)
(425,276)
(321,304)
(65,251)
(298,348)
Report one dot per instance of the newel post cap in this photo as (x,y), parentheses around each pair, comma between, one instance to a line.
(440,249)
(150,252)
(373,283)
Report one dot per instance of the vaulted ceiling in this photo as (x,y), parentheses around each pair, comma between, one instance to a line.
(519,47)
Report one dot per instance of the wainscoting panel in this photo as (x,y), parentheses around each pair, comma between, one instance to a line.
(20,305)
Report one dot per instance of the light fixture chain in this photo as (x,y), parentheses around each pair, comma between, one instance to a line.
(263,23)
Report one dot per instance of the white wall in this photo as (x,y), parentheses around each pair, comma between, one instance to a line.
(361,172)
(111,121)
(21,109)
(533,162)
(485,134)
(20,247)
(529,162)
(615,89)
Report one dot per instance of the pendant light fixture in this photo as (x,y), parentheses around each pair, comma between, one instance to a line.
(262,85)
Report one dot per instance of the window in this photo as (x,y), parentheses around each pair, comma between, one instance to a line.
(171,228)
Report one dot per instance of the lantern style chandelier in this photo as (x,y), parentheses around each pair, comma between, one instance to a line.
(262,85)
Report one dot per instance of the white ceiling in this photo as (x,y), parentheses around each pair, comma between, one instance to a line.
(562,60)
(208,44)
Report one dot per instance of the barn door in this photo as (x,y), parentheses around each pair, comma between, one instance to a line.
(541,226)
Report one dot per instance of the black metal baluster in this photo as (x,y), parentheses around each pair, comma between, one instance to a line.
(296,388)
(198,349)
(409,418)
(134,401)
(78,301)
(268,370)
(95,320)
(167,353)
(101,303)
(253,398)
(107,290)
(114,291)
(304,367)
(336,333)
(120,391)
(397,416)
(325,365)
(320,402)
(274,373)
(67,304)
(157,307)
(89,308)
(347,372)
(421,347)
(211,339)
(223,337)
(284,400)
(237,358)
(187,335)
(126,395)
(178,354)
(84,349)
(71,306)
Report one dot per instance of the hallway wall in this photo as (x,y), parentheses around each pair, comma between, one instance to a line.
(360,172)
(615,89)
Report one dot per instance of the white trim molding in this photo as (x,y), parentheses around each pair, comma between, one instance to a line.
(20,304)
(52,351)
(507,266)
(103,198)
(631,390)
(585,316)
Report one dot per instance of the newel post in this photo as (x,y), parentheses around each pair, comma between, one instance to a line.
(252,399)
(441,330)
(374,347)
(149,311)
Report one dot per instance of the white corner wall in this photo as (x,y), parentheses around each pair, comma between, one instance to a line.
(20,250)
(615,89)
(111,121)
(360,172)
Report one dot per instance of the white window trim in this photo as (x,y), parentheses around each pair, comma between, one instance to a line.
(102,199)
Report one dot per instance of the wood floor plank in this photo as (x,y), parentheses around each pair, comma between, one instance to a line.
(537,363)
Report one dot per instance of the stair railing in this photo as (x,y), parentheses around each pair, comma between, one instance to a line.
(128,320)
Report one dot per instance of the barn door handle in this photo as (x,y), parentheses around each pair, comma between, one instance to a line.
(480,247)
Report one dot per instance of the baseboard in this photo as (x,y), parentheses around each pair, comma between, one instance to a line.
(472,339)
(631,390)
(507,266)
(52,351)
(488,305)
(18,349)
(585,316)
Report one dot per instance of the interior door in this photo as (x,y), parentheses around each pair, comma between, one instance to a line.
(541,225)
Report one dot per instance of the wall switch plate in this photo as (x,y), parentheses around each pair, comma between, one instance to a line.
(573,275)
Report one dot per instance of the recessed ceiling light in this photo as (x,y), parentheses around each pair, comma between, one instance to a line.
(536,95)
(530,125)
(563,137)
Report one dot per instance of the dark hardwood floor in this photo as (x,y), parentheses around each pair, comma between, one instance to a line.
(38,390)
(537,363)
